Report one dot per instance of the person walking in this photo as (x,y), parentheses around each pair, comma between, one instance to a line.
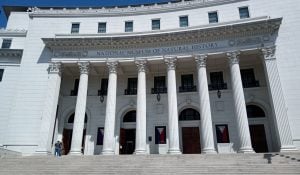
(57,152)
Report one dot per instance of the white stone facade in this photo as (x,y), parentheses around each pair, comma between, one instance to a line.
(44,60)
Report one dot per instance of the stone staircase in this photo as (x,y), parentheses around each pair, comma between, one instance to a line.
(272,163)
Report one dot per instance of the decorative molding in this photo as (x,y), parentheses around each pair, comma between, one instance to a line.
(127,10)
(55,68)
(201,60)
(141,65)
(170,61)
(12,32)
(269,53)
(11,53)
(233,57)
(84,67)
(112,66)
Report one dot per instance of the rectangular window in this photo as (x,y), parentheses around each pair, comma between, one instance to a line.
(104,86)
(160,134)
(102,27)
(155,24)
(128,26)
(6,43)
(1,74)
(187,83)
(131,86)
(75,28)
(244,12)
(213,17)
(217,82)
(159,85)
(222,133)
(75,90)
(183,21)
(100,135)
(248,78)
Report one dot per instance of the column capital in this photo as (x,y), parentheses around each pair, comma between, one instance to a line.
(269,52)
(170,62)
(233,57)
(112,66)
(55,68)
(201,60)
(141,65)
(84,67)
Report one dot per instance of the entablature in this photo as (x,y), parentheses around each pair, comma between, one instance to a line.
(13,32)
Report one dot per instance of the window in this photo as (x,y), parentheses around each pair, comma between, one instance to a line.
(102,27)
(189,114)
(213,17)
(254,111)
(71,118)
(6,43)
(75,28)
(128,26)
(244,12)
(130,117)
(100,135)
(104,86)
(248,78)
(75,90)
(217,82)
(222,133)
(131,86)
(187,83)
(183,21)
(160,134)
(159,85)
(155,24)
(1,74)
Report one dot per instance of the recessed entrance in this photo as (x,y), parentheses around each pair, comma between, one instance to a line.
(127,133)
(190,136)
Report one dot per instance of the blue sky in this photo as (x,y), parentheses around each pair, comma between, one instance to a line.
(68,3)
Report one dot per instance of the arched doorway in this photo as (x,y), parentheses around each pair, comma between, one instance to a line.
(67,134)
(127,133)
(189,120)
(257,126)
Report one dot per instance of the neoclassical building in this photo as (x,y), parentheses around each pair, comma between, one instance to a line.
(184,77)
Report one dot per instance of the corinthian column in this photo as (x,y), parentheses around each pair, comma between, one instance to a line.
(239,104)
(140,142)
(277,100)
(80,109)
(172,107)
(207,137)
(50,108)
(109,128)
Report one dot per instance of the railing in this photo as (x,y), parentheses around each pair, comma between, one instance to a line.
(102,92)
(251,84)
(161,90)
(187,89)
(217,86)
(130,91)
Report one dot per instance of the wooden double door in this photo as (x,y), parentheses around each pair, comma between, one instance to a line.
(191,140)
(127,141)
(67,140)
(258,138)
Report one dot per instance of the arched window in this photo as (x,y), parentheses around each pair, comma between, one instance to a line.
(71,118)
(130,116)
(189,114)
(254,111)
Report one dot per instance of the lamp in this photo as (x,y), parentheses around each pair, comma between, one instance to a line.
(158,96)
(219,93)
(101,97)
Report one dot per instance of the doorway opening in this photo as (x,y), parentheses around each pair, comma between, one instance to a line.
(127,133)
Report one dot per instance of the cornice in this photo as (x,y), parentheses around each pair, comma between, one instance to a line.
(17,53)
(13,32)
(127,10)
(198,34)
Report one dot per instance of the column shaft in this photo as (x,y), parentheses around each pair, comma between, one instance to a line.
(207,137)
(172,108)
(50,108)
(239,104)
(109,128)
(140,146)
(277,100)
(80,110)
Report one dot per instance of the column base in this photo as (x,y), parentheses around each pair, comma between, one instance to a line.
(288,148)
(174,151)
(108,152)
(246,150)
(140,152)
(209,151)
(75,153)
